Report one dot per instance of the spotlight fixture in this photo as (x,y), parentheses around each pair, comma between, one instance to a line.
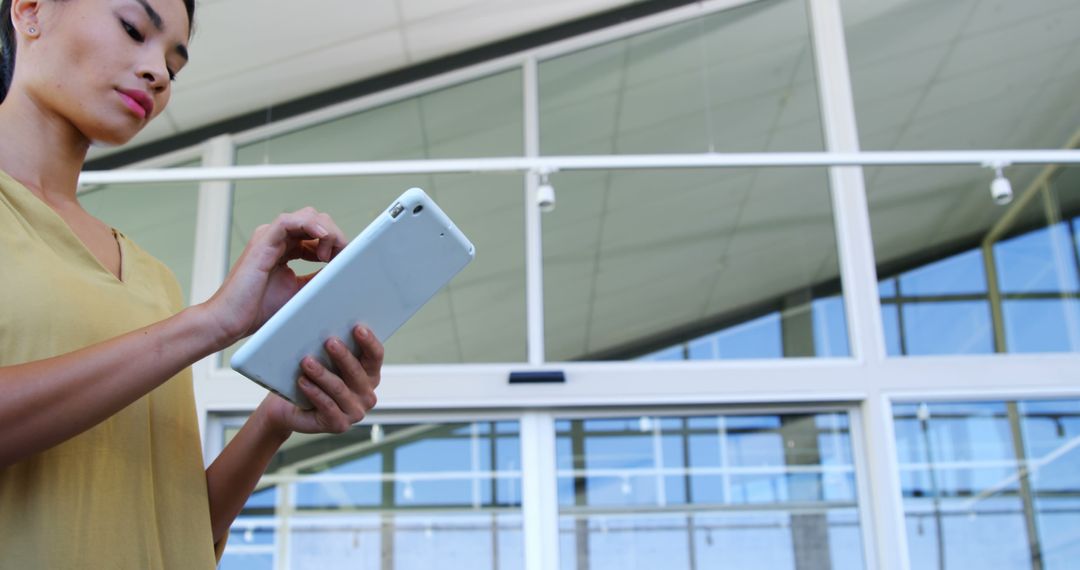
(545,194)
(1001,189)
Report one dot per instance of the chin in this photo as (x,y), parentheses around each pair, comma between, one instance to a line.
(111,130)
(106,137)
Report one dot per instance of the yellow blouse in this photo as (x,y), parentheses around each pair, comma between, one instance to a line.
(131,491)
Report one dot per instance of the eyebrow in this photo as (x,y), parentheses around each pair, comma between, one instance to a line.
(156,20)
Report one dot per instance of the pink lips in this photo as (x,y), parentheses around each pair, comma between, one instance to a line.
(138,101)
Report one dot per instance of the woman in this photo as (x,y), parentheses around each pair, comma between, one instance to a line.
(100,461)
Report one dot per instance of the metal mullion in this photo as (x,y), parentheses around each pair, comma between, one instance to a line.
(889,550)
(211,258)
(945,298)
(1053,218)
(539,503)
(534,236)
(901,332)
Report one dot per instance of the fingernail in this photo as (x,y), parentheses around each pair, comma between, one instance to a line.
(361,332)
(334,344)
(310,364)
(321,231)
(304,382)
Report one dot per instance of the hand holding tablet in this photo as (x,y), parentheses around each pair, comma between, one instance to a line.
(381,279)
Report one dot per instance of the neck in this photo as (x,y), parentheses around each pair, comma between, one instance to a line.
(40,149)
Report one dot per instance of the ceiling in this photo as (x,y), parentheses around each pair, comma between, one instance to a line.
(242,49)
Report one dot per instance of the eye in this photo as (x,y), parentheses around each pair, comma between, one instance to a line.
(172,76)
(132,31)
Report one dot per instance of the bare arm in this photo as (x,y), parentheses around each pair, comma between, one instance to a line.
(46,402)
(340,401)
(85,387)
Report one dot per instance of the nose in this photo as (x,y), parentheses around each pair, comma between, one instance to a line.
(155,75)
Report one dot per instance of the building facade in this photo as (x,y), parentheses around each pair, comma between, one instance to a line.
(797,329)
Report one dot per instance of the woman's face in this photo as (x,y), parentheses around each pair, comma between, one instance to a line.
(104,65)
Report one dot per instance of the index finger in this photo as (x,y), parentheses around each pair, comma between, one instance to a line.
(333,243)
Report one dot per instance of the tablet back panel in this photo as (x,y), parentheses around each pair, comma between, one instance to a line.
(380,280)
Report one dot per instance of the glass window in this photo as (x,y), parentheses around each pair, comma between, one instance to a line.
(1042,325)
(738,263)
(759,338)
(963,74)
(830,327)
(480,316)
(962,273)
(958,327)
(1037,261)
(738,80)
(411,495)
(890,318)
(991,484)
(762,491)
(937,301)
(160,218)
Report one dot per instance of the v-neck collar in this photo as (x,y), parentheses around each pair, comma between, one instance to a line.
(63,230)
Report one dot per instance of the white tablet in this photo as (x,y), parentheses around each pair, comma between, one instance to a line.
(380,280)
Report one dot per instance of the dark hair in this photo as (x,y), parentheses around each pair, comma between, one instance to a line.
(7,43)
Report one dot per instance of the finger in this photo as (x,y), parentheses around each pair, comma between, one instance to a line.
(334,242)
(348,365)
(328,416)
(308,250)
(334,387)
(301,224)
(370,351)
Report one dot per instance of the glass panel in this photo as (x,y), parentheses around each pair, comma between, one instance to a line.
(962,273)
(957,327)
(737,80)
(160,218)
(890,317)
(830,327)
(407,495)
(992,484)
(731,263)
(934,230)
(480,316)
(1042,325)
(768,491)
(480,118)
(1036,261)
(964,74)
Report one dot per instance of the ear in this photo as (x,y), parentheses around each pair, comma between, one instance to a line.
(24,16)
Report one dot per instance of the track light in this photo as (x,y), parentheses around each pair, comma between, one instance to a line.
(545,194)
(1001,189)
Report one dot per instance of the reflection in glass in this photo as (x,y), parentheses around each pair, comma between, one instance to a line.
(951,327)
(1029,300)
(737,263)
(411,495)
(991,484)
(766,491)
(963,74)
(480,316)
(739,80)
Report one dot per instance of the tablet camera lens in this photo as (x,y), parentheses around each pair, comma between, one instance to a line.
(419,208)
(396,210)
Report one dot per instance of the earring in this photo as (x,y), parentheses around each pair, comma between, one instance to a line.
(32,31)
